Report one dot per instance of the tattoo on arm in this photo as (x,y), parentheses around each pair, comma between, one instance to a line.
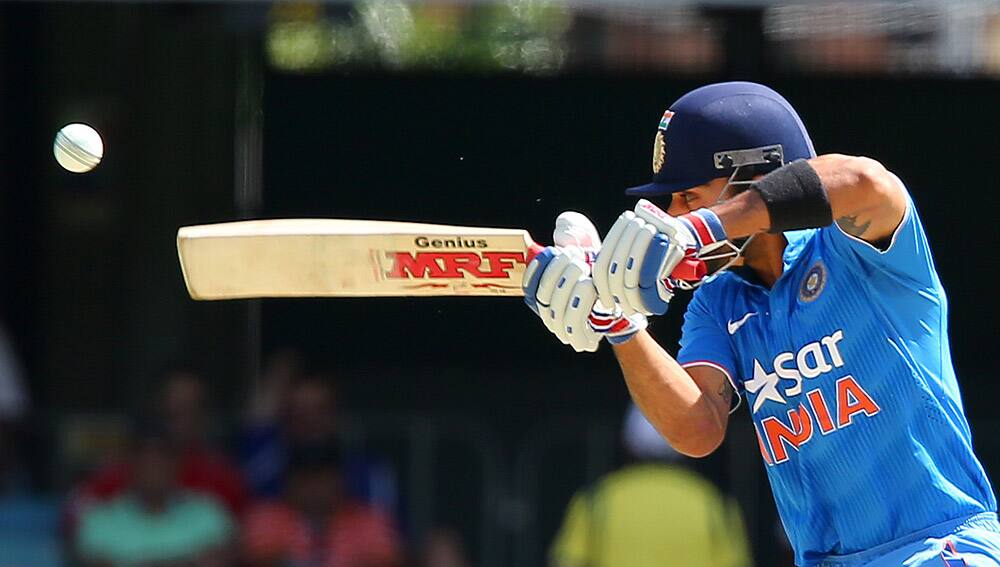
(851,226)
(726,390)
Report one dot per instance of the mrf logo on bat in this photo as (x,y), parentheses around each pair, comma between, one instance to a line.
(448,258)
(812,412)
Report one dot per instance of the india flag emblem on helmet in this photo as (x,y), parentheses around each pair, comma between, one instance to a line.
(659,145)
(667,115)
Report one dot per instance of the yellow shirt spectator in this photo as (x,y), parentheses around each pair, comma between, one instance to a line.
(651,514)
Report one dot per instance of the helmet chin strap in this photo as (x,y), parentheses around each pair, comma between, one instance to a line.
(728,252)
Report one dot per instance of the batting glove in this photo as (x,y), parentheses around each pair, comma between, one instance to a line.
(646,252)
(557,283)
(614,325)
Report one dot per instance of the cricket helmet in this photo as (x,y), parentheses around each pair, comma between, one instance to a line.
(734,130)
(715,130)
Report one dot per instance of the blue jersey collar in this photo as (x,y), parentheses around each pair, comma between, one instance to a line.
(797,240)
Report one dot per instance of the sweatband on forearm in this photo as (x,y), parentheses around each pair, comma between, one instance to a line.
(795,197)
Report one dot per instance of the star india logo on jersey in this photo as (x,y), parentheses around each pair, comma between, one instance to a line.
(659,145)
(809,412)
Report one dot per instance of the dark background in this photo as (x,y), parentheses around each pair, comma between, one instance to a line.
(93,298)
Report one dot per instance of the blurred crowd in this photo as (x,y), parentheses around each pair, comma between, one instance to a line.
(176,498)
(287,495)
(283,491)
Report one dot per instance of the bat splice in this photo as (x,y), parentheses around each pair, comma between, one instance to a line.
(350,258)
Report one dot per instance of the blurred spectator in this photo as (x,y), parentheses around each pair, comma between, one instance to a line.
(317,524)
(182,410)
(651,512)
(289,408)
(443,548)
(271,425)
(13,397)
(28,522)
(155,521)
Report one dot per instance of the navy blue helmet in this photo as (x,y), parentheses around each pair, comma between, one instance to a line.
(714,130)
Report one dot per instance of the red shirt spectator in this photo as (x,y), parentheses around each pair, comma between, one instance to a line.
(198,470)
(354,536)
(316,525)
(182,411)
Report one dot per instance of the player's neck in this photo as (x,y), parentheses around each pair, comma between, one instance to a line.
(765,256)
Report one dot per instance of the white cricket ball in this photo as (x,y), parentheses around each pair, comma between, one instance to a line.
(78,148)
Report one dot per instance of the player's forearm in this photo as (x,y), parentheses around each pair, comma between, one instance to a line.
(668,396)
(864,198)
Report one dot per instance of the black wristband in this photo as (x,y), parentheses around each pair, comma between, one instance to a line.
(795,197)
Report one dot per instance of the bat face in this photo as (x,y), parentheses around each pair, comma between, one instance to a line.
(350,258)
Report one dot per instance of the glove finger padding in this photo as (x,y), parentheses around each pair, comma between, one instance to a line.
(533,275)
(661,258)
(663,222)
(633,266)
(619,263)
(561,298)
(581,300)
(603,262)
(546,287)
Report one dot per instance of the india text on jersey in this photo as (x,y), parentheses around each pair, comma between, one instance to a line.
(815,359)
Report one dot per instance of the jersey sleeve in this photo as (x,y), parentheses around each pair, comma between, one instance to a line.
(704,342)
(907,257)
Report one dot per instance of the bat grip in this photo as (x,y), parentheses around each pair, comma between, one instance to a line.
(534,249)
(690,270)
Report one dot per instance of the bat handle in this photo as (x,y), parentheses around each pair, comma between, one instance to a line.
(690,270)
(534,249)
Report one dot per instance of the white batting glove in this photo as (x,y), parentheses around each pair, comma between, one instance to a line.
(558,288)
(634,270)
(614,325)
(557,283)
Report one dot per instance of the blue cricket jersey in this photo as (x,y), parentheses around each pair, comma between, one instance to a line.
(846,368)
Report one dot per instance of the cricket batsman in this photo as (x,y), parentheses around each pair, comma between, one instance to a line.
(816,299)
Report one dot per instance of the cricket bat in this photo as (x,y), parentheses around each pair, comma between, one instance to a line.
(357,258)
(350,258)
